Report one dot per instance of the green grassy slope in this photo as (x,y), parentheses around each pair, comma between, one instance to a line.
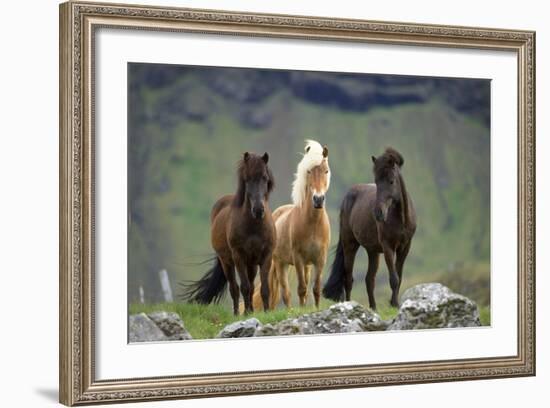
(205,322)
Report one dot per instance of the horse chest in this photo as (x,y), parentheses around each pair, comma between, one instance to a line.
(311,251)
(310,248)
(252,246)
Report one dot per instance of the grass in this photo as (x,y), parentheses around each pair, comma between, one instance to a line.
(206,321)
(485,315)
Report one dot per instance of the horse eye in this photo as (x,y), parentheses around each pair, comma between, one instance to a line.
(326,171)
(391,181)
(309,172)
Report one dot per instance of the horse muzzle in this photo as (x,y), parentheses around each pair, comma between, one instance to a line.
(379,214)
(258,213)
(318,201)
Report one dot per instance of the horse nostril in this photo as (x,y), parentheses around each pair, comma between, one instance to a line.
(318,201)
(258,212)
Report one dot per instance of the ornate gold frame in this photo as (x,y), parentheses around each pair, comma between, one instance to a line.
(78,22)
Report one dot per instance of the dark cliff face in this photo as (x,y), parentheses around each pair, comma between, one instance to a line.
(348,92)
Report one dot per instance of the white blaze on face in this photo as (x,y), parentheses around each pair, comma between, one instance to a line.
(319,192)
(313,156)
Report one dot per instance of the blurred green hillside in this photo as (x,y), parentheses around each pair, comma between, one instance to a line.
(188,126)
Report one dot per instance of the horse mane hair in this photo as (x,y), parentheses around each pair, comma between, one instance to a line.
(405,217)
(253,160)
(394,156)
(386,161)
(312,157)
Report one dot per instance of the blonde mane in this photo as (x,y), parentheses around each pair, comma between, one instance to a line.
(312,157)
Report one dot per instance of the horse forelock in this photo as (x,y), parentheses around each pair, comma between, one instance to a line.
(386,163)
(312,157)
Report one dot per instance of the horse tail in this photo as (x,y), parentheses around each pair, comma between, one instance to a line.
(334,287)
(210,288)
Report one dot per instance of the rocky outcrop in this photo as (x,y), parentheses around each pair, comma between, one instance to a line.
(432,305)
(141,328)
(346,317)
(243,328)
(171,325)
(156,326)
(425,306)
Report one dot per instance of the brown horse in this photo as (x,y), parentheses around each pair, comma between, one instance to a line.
(303,229)
(243,236)
(381,218)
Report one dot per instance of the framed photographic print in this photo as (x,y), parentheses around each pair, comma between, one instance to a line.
(256,203)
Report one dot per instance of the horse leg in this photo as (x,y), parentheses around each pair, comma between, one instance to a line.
(252,271)
(264,278)
(350,249)
(374,258)
(401,255)
(282,276)
(300,273)
(307,276)
(317,283)
(389,257)
(242,269)
(273,285)
(229,271)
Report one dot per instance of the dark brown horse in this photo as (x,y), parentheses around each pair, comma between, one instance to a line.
(243,236)
(379,217)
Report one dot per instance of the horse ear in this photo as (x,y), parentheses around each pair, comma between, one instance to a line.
(325,151)
(246,156)
(265,157)
(373,159)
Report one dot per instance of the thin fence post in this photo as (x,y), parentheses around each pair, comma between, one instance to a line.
(165,284)
(141,295)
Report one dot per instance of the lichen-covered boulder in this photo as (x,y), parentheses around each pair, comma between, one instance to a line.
(346,317)
(142,328)
(171,325)
(156,326)
(432,305)
(243,328)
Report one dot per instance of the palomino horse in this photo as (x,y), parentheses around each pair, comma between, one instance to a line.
(381,218)
(303,229)
(243,236)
